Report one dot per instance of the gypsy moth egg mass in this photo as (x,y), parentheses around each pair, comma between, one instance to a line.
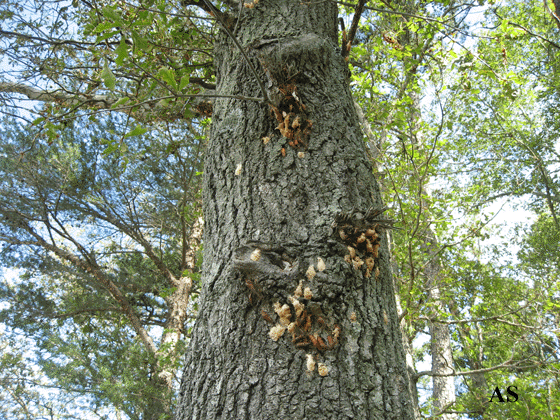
(276,332)
(299,307)
(310,273)
(336,330)
(310,363)
(357,263)
(299,290)
(256,255)
(284,311)
(323,369)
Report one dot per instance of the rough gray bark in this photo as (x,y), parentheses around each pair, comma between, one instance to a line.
(343,357)
(409,354)
(375,154)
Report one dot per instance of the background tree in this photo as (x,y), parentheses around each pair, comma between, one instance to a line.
(402,47)
(494,142)
(107,247)
(375,70)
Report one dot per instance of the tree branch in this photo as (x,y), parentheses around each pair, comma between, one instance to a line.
(139,111)
(358,9)
(505,365)
(553,14)
(85,311)
(54,42)
(554,44)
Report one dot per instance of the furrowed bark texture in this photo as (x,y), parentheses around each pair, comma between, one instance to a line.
(348,324)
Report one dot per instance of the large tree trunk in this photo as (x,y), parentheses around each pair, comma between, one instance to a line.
(341,354)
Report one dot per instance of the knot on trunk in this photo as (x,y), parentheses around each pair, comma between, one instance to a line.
(270,265)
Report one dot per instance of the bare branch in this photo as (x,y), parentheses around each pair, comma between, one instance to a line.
(56,95)
(505,365)
(139,111)
(358,9)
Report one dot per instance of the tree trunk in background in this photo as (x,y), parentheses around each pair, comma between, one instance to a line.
(341,355)
(440,342)
(443,392)
(478,384)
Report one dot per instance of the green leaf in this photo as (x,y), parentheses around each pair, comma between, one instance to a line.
(111,14)
(139,42)
(184,82)
(188,114)
(108,77)
(138,131)
(103,26)
(111,147)
(120,102)
(168,291)
(168,76)
(122,52)
(105,36)
(143,18)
